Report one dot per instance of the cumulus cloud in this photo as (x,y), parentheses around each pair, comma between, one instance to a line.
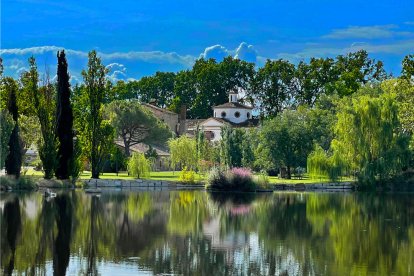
(217,52)
(117,71)
(367,32)
(244,52)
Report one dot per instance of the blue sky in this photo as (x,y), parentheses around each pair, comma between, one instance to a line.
(138,38)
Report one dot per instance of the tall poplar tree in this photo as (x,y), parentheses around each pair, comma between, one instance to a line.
(97,133)
(42,101)
(64,119)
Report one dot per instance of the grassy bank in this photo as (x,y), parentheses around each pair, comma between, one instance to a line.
(173,176)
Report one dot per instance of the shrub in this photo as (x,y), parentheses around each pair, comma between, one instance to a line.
(21,183)
(237,179)
(262,179)
(187,176)
(138,165)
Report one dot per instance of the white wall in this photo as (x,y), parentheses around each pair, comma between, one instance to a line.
(230,114)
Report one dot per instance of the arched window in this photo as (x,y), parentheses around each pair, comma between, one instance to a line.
(237,114)
(223,114)
(248,115)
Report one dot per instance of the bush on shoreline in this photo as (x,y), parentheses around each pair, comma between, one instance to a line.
(21,183)
(236,179)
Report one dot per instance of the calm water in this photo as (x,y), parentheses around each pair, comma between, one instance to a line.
(197,233)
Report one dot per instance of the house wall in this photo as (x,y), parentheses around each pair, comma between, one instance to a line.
(230,114)
(213,126)
(170,118)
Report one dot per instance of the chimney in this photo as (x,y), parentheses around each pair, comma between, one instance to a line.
(181,120)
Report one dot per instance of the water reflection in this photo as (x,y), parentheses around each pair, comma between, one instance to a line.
(197,233)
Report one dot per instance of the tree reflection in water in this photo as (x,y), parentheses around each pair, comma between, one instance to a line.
(10,231)
(198,233)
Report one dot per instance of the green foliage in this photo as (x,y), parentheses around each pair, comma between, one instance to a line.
(321,165)
(230,180)
(64,119)
(231,147)
(13,160)
(96,134)
(6,128)
(369,136)
(263,179)
(135,124)
(286,140)
(273,86)
(75,164)
(407,71)
(404,96)
(43,103)
(139,166)
(183,151)
(186,176)
(21,183)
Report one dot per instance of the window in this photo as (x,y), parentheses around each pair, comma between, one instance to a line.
(237,114)
(223,114)
(248,115)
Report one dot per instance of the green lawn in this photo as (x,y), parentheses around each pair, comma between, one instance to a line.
(173,176)
(305,180)
(168,176)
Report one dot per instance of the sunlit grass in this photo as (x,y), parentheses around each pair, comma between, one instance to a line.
(174,176)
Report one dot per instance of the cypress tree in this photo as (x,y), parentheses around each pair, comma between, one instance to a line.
(13,162)
(64,117)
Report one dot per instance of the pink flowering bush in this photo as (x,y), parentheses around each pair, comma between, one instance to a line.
(242,172)
(236,179)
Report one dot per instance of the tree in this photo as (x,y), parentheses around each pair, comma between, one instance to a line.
(96,133)
(314,79)
(138,165)
(408,67)
(231,152)
(369,137)
(158,88)
(286,140)
(6,127)
(273,87)
(184,93)
(321,164)
(13,162)
(43,104)
(64,119)
(183,151)
(135,124)
(356,69)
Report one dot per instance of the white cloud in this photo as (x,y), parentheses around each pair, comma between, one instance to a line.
(246,52)
(396,48)
(367,32)
(217,52)
(152,56)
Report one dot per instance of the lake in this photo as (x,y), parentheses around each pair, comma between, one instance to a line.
(201,233)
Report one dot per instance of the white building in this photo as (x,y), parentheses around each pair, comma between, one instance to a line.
(231,113)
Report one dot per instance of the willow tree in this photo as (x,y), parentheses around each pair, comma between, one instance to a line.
(369,137)
(323,164)
(183,151)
